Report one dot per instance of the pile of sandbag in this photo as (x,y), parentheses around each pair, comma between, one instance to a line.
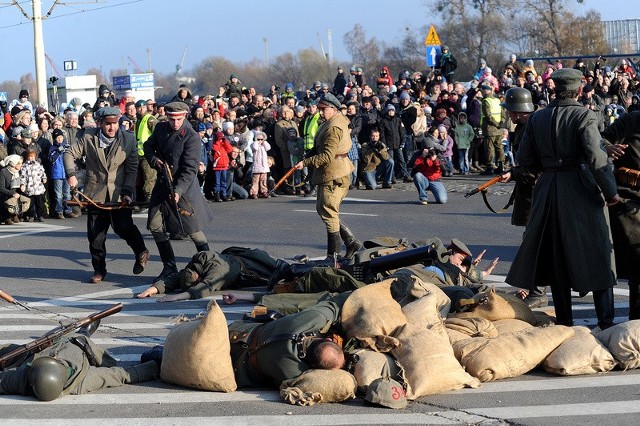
(413,334)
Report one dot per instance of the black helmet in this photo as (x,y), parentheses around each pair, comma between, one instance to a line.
(47,377)
(518,99)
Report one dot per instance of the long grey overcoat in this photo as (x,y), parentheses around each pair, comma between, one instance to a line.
(567,241)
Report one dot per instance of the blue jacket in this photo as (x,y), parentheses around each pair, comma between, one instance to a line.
(55,159)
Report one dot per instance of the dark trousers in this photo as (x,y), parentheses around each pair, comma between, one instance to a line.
(36,209)
(399,165)
(602,300)
(98,222)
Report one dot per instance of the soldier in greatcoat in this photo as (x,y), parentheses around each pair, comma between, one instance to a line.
(567,242)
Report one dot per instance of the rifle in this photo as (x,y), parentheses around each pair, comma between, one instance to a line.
(282,180)
(52,336)
(108,206)
(166,173)
(9,298)
(483,189)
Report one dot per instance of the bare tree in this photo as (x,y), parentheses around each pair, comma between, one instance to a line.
(363,52)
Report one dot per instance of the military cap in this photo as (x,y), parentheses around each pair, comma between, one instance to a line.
(312,102)
(140,103)
(566,79)
(329,101)
(459,246)
(108,114)
(176,108)
(486,87)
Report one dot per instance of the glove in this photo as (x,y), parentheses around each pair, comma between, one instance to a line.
(61,148)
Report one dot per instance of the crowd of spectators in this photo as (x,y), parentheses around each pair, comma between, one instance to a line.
(403,124)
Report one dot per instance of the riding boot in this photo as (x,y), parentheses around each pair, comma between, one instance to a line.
(500,168)
(202,247)
(350,241)
(634,299)
(603,302)
(334,242)
(168,259)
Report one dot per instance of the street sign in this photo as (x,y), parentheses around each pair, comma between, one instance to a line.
(432,38)
(70,65)
(3,96)
(433,52)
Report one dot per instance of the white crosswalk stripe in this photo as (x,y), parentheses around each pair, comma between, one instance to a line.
(143,323)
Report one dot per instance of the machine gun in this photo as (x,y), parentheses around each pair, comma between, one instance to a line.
(367,266)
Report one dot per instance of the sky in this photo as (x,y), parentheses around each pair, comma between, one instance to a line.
(112,31)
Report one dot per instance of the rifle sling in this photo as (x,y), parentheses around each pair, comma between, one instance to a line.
(502,210)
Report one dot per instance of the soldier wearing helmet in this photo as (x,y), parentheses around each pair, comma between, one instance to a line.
(72,366)
(519,105)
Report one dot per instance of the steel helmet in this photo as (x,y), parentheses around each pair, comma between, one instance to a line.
(47,377)
(518,99)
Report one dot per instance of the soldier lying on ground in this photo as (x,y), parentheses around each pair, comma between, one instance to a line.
(209,271)
(72,366)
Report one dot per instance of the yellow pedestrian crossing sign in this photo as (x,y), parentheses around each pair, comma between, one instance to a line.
(432,38)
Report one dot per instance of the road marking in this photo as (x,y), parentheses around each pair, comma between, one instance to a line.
(435,418)
(556,383)
(28,228)
(560,410)
(341,213)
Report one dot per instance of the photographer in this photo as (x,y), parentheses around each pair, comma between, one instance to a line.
(427,174)
(376,161)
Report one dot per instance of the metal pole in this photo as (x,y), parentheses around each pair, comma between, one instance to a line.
(38,47)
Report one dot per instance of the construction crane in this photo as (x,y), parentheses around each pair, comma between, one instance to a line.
(55,71)
(181,64)
(136,68)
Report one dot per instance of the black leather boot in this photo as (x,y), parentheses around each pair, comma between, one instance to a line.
(334,243)
(168,259)
(634,299)
(350,241)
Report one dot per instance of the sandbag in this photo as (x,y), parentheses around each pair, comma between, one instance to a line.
(428,363)
(509,355)
(513,325)
(494,306)
(455,335)
(370,313)
(472,327)
(424,312)
(197,353)
(545,316)
(418,288)
(623,341)
(314,386)
(580,354)
(371,365)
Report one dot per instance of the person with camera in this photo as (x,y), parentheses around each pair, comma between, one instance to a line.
(376,160)
(427,175)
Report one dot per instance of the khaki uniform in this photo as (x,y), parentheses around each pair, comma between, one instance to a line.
(332,168)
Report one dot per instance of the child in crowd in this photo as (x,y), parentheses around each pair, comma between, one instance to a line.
(260,166)
(32,184)
(220,157)
(205,146)
(464,136)
(506,146)
(14,202)
(61,189)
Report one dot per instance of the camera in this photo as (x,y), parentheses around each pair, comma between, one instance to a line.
(53,79)
(276,87)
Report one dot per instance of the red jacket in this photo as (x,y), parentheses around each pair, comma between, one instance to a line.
(429,168)
(221,149)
